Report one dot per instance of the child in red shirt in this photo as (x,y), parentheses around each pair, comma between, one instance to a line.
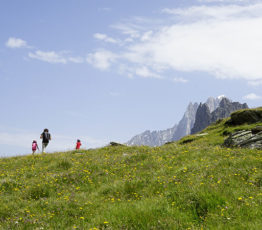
(78,144)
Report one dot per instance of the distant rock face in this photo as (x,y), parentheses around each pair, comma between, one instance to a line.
(204,117)
(185,125)
(157,138)
(154,138)
(196,118)
(246,139)
(213,103)
(226,107)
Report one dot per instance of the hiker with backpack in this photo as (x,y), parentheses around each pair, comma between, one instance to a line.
(46,137)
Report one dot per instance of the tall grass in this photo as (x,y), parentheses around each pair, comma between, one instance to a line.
(193,185)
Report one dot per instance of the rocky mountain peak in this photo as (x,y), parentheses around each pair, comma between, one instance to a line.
(153,138)
(186,123)
(205,118)
(225,102)
(196,117)
(156,138)
(221,97)
(213,103)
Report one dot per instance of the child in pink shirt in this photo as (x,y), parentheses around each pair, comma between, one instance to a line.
(34,146)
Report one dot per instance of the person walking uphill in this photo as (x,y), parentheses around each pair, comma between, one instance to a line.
(34,146)
(78,144)
(46,137)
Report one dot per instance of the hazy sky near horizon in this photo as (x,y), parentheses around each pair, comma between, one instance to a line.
(107,70)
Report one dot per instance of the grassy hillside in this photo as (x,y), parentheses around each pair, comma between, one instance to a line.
(191,184)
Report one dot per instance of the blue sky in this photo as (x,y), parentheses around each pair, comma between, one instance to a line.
(106,70)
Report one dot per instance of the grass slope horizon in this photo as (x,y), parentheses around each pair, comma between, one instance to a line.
(194,183)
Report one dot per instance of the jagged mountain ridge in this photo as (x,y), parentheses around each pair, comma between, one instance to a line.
(153,138)
(204,117)
(186,123)
(156,138)
(213,103)
(183,128)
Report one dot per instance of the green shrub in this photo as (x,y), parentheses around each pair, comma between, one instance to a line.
(37,192)
(7,185)
(248,116)
(64,164)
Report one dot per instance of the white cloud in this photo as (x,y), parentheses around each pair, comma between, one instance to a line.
(46,56)
(129,40)
(76,59)
(15,43)
(217,12)
(137,28)
(55,57)
(145,72)
(125,70)
(50,57)
(146,36)
(105,38)
(221,40)
(179,80)
(102,59)
(252,96)
(129,29)
(105,9)
(222,1)
(228,48)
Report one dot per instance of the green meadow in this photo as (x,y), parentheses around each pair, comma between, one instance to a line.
(194,183)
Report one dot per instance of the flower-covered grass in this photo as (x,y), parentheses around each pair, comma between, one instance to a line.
(194,183)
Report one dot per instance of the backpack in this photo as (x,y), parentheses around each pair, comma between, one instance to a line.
(46,137)
(34,145)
